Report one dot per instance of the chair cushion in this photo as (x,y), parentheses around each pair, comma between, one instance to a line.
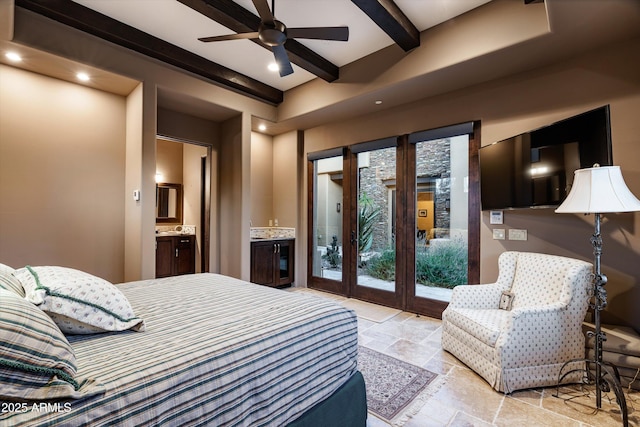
(538,279)
(483,324)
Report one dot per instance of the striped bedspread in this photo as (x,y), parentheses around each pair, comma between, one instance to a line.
(216,351)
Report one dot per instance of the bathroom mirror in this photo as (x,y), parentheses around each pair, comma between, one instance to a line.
(168,203)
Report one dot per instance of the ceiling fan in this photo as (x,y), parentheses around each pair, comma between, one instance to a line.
(274,33)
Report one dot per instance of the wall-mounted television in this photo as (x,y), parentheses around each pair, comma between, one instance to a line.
(535,169)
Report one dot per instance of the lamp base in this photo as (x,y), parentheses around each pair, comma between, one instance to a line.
(609,380)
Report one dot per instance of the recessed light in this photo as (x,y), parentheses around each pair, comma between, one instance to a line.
(84,77)
(273,67)
(13,57)
(378,102)
(262,127)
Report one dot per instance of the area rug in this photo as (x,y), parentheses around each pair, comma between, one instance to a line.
(396,390)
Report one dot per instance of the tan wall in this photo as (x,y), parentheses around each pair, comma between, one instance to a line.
(235,196)
(186,127)
(169,161)
(523,102)
(262,175)
(286,164)
(140,174)
(62,174)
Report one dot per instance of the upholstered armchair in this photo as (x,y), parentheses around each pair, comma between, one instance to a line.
(518,332)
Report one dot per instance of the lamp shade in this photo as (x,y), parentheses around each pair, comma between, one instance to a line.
(599,190)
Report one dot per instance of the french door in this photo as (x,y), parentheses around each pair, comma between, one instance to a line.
(396,221)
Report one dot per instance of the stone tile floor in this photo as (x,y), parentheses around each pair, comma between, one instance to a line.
(465,399)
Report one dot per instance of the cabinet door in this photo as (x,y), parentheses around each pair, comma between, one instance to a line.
(164,256)
(185,255)
(284,260)
(262,263)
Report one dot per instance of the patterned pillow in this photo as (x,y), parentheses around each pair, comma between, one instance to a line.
(9,282)
(78,302)
(36,360)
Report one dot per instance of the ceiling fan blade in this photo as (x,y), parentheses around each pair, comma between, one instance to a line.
(284,66)
(229,37)
(322,33)
(262,6)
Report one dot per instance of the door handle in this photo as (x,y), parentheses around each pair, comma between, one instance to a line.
(353,237)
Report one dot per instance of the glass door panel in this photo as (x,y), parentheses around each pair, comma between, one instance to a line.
(441,220)
(375,220)
(326,246)
(284,266)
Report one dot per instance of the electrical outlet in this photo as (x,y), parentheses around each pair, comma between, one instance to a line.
(498,234)
(515,234)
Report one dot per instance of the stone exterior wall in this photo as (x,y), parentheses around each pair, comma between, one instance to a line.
(433,162)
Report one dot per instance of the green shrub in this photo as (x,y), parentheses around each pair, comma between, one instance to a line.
(367,215)
(332,256)
(382,266)
(444,265)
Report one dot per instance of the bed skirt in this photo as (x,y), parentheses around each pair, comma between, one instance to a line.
(347,406)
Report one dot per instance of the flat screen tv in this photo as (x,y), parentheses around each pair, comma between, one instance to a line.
(535,169)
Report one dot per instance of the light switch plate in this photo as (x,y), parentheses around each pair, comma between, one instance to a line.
(515,234)
(495,217)
(498,234)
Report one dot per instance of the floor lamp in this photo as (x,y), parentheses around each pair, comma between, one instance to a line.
(599,190)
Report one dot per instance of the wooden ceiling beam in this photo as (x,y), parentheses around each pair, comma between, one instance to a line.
(388,16)
(87,20)
(240,20)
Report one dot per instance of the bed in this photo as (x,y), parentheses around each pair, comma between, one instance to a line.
(210,350)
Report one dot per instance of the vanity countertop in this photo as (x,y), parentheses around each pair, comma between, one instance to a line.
(257,234)
(268,239)
(172,233)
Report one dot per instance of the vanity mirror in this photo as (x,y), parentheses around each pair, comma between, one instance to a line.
(168,203)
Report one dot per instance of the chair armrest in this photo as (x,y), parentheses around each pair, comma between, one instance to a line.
(540,310)
(541,335)
(476,296)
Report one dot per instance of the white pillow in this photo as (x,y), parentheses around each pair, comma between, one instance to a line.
(78,302)
(9,282)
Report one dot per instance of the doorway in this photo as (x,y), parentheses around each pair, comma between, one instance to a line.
(396,221)
(187,164)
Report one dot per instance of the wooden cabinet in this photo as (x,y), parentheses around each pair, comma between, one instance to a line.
(175,255)
(272,262)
